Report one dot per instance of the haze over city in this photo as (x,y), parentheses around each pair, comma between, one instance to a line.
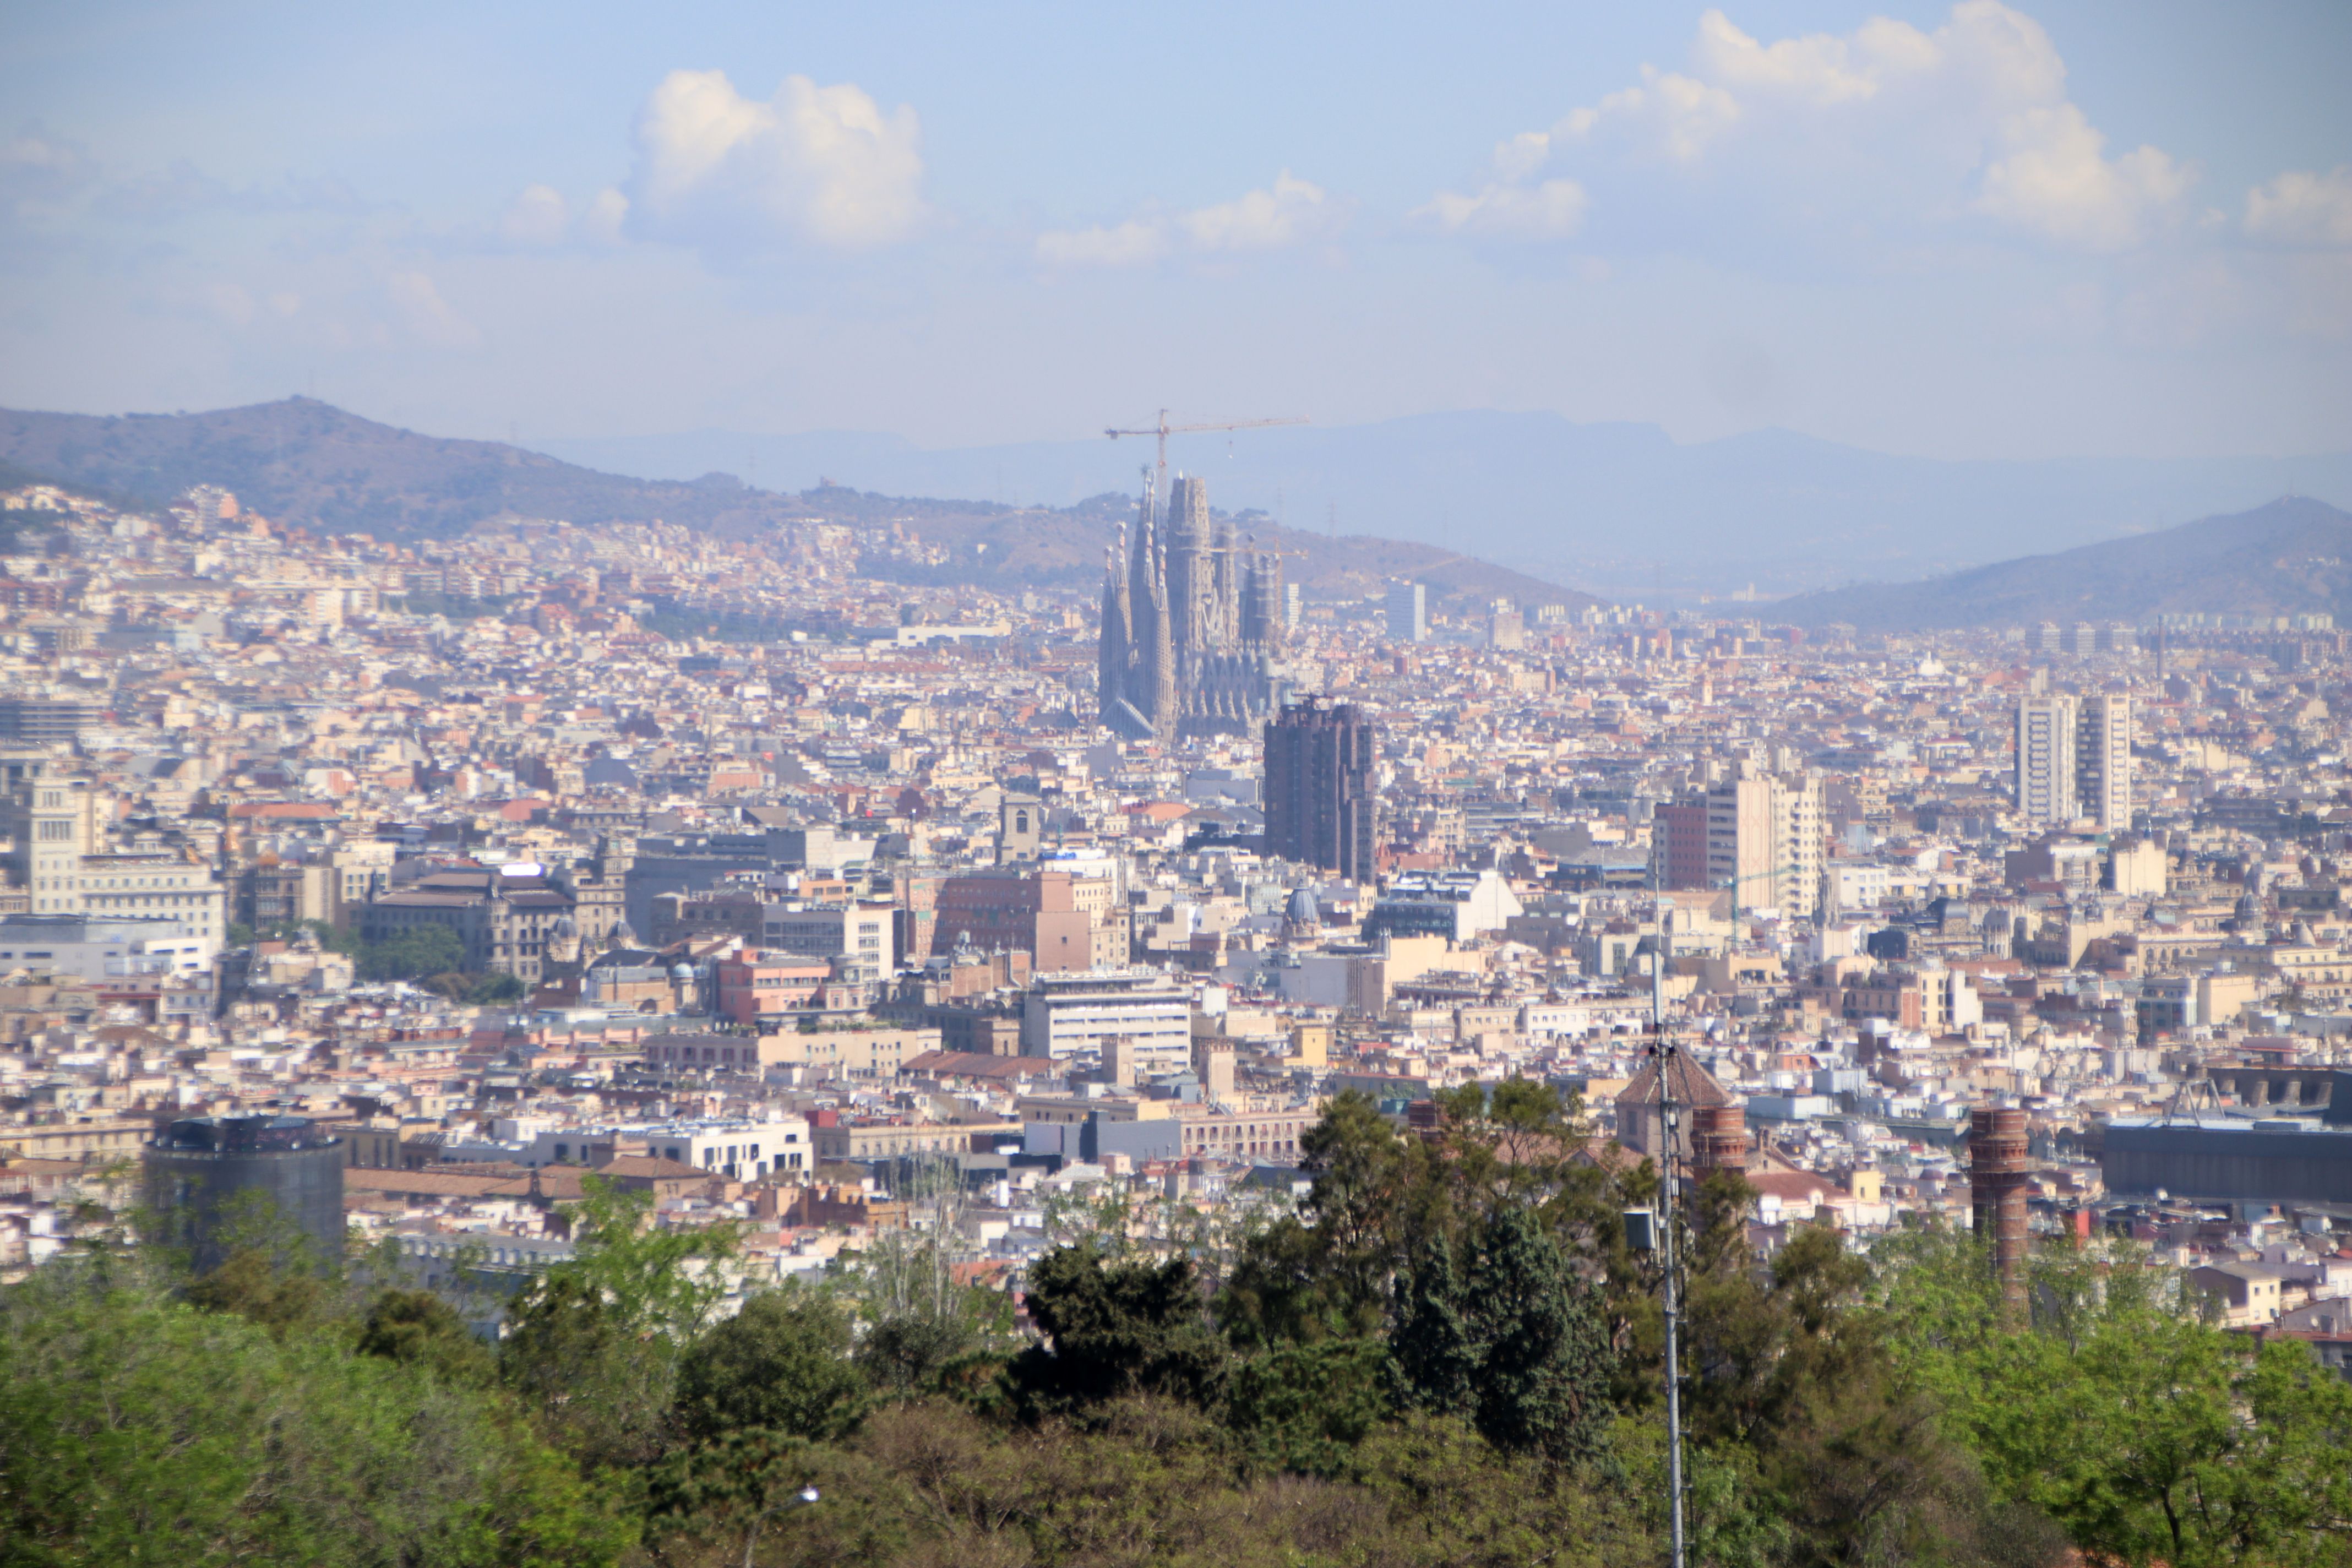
(1043,788)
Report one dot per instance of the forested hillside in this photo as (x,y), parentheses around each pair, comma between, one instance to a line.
(1447,1356)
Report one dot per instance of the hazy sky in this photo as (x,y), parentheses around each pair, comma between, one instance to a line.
(1963,231)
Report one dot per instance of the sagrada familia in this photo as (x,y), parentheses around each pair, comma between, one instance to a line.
(1191,625)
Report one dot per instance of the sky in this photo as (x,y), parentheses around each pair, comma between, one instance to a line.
(1957,231)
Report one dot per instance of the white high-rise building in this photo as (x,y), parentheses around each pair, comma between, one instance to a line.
(2074,762)
(2045,760)
(1408,613)
(1764,840)
(2102,760)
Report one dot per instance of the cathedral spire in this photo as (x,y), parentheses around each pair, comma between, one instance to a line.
(1161,668)
(1111,657)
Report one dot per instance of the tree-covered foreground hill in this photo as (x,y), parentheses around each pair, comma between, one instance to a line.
(1446,1356)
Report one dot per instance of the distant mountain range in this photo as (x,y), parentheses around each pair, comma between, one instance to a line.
(2293,556)
(1479,506)
(312,464)
(1622,510)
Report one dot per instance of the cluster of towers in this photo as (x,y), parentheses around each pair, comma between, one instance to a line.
(1191,624)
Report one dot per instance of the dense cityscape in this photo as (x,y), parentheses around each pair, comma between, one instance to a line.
(447,850)
(1316,786)
(427,893)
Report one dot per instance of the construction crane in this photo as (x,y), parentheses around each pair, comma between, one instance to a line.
(1164,429)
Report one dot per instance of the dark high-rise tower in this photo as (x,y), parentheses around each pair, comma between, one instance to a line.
(1322,794)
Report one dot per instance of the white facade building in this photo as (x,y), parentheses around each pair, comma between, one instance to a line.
(2075,761)
(1078,1011)
(861,932)
(91,947)
(1408,613)
(775,1145)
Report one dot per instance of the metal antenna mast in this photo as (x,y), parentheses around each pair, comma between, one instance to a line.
(1669,1157)
(1663,1052)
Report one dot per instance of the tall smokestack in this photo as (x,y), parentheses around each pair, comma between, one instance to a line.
(1719,1137)
(1997,1178)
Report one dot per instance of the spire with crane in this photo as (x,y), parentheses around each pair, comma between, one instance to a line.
(1164,429)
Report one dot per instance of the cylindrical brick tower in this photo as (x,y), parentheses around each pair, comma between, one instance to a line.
(1997,1182)
(1719,1137)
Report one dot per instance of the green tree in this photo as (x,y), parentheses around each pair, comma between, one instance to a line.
(1112,1330)
(1306,1408)
(922,1327)
(418,1329)
(1327,1270)
(782,1363)
(1508,1144)
(1543,1358)
(1433,1351)
(139,1429)
(417,952)
(734,1486)
(601,1394)
(270,1271)
(493,989)
(2154,1436)
(594,1344)
(1516,1343)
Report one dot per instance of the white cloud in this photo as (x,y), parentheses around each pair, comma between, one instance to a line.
(2302,208)
(1292,212)
(1971,116)
(1134,243)
(1817,69)
(1522,155)
(1669,113)
(1550,210)
(427,314)
(2058,179)
(539,216)
(817,163)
